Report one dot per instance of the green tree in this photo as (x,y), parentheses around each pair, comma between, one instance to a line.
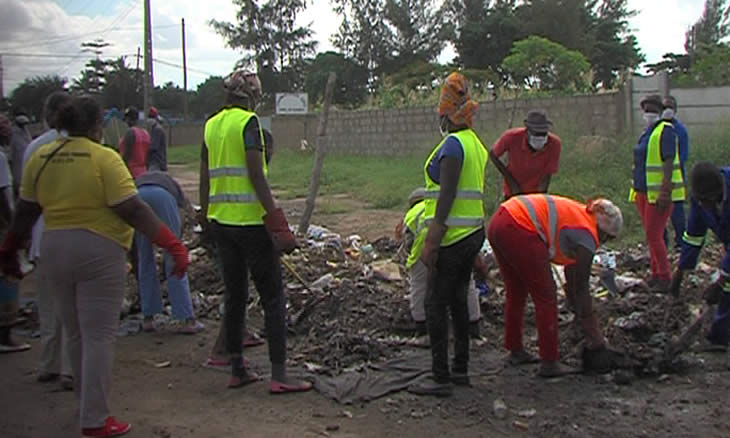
(92,79)
(272,42)
(123,85)
(615,48)
(711,68)
(485,32)
(420,31)
(711,28)
(352,79)
(32,92)
(364,35)
(209,97)
(544,65)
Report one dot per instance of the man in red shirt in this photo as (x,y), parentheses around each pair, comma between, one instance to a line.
(135,144)
(533,155)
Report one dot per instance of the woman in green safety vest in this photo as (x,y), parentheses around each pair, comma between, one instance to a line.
(454,215)
(657,182)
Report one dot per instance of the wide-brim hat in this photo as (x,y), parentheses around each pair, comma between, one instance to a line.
(537,120)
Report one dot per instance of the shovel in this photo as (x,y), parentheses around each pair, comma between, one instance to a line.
(672,349)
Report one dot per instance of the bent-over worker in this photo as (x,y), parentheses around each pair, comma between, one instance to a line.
(709,210)
(527,234)
(533,155)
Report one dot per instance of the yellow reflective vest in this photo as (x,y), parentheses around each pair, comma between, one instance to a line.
(232,198)
(413,221)
(654,168)
(467,212)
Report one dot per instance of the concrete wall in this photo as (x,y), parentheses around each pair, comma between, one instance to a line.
(698,107)
(415,130)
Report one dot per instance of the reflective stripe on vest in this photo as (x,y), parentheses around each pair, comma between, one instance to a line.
(228,171)
(415,225)
(547,216)
(552,232)
(693,240)
(655,170)
(232,198)
(467,212)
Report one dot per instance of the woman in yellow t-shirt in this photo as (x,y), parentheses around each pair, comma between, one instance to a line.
(91,208)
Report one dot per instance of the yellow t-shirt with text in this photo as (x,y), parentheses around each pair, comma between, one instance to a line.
(78,186)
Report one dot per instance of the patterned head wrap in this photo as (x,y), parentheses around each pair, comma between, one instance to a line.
(243,83)
(455,101)
(608,216)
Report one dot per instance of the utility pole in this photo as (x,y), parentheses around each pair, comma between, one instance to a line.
(149,81)
(185,74)
(2,89)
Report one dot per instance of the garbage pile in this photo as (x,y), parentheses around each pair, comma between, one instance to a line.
(347,303)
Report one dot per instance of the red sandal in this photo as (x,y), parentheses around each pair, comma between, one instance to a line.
(111,428)
(241,381)
(285,388)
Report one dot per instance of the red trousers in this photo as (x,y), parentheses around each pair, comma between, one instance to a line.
(524,262)
(655,221)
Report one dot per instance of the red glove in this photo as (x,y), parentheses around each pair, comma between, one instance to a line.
(277,226)
(9,263)
(165,239)
(430,252)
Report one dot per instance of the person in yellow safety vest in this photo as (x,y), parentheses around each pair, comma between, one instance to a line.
(454,217)
(409,228)
(249,230)
(657,182)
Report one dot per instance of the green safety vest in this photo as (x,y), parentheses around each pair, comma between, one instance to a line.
(467,212)
(654,172)
(232,198)
(413,222)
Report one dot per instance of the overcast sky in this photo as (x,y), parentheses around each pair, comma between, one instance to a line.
(58,27)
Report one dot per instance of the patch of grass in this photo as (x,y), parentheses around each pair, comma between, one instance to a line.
(587,169)
(188,155)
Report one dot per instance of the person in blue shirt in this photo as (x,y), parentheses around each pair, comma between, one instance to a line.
(709,210)
(679,221)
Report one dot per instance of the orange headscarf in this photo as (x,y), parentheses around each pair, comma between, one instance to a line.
(455,101)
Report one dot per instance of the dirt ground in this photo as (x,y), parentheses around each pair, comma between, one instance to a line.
(187,400)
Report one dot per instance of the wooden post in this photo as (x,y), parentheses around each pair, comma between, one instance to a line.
(185,74)
(318,155)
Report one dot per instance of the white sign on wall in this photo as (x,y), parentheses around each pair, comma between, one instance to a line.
(291,103)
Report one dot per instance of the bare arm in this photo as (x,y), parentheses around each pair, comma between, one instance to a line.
(204,184)
(449,180)
(128,141)
(25,217)
(6,213)
(255,168)
(542,187)
(509,179)
(139,215)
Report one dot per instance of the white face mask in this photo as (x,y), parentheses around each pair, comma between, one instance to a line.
(537,142)
(668,114)
(651,118)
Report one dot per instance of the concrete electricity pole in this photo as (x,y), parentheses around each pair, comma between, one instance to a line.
(149,81)
(185,74)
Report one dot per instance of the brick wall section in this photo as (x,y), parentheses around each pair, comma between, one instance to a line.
(404,131)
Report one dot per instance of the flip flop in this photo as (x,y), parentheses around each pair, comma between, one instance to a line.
(253,340)
(284,388)
(239,382)
(221,365)
(14,348)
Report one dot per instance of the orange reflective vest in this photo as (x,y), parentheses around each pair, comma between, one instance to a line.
(548,215)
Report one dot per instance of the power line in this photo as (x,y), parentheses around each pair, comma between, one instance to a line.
(63,39)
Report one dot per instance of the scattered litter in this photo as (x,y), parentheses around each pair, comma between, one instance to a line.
(632,322)
(386,270)
(527,413)
(499,408)
(520,425)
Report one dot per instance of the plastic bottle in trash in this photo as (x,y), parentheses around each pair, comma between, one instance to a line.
(482,288)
